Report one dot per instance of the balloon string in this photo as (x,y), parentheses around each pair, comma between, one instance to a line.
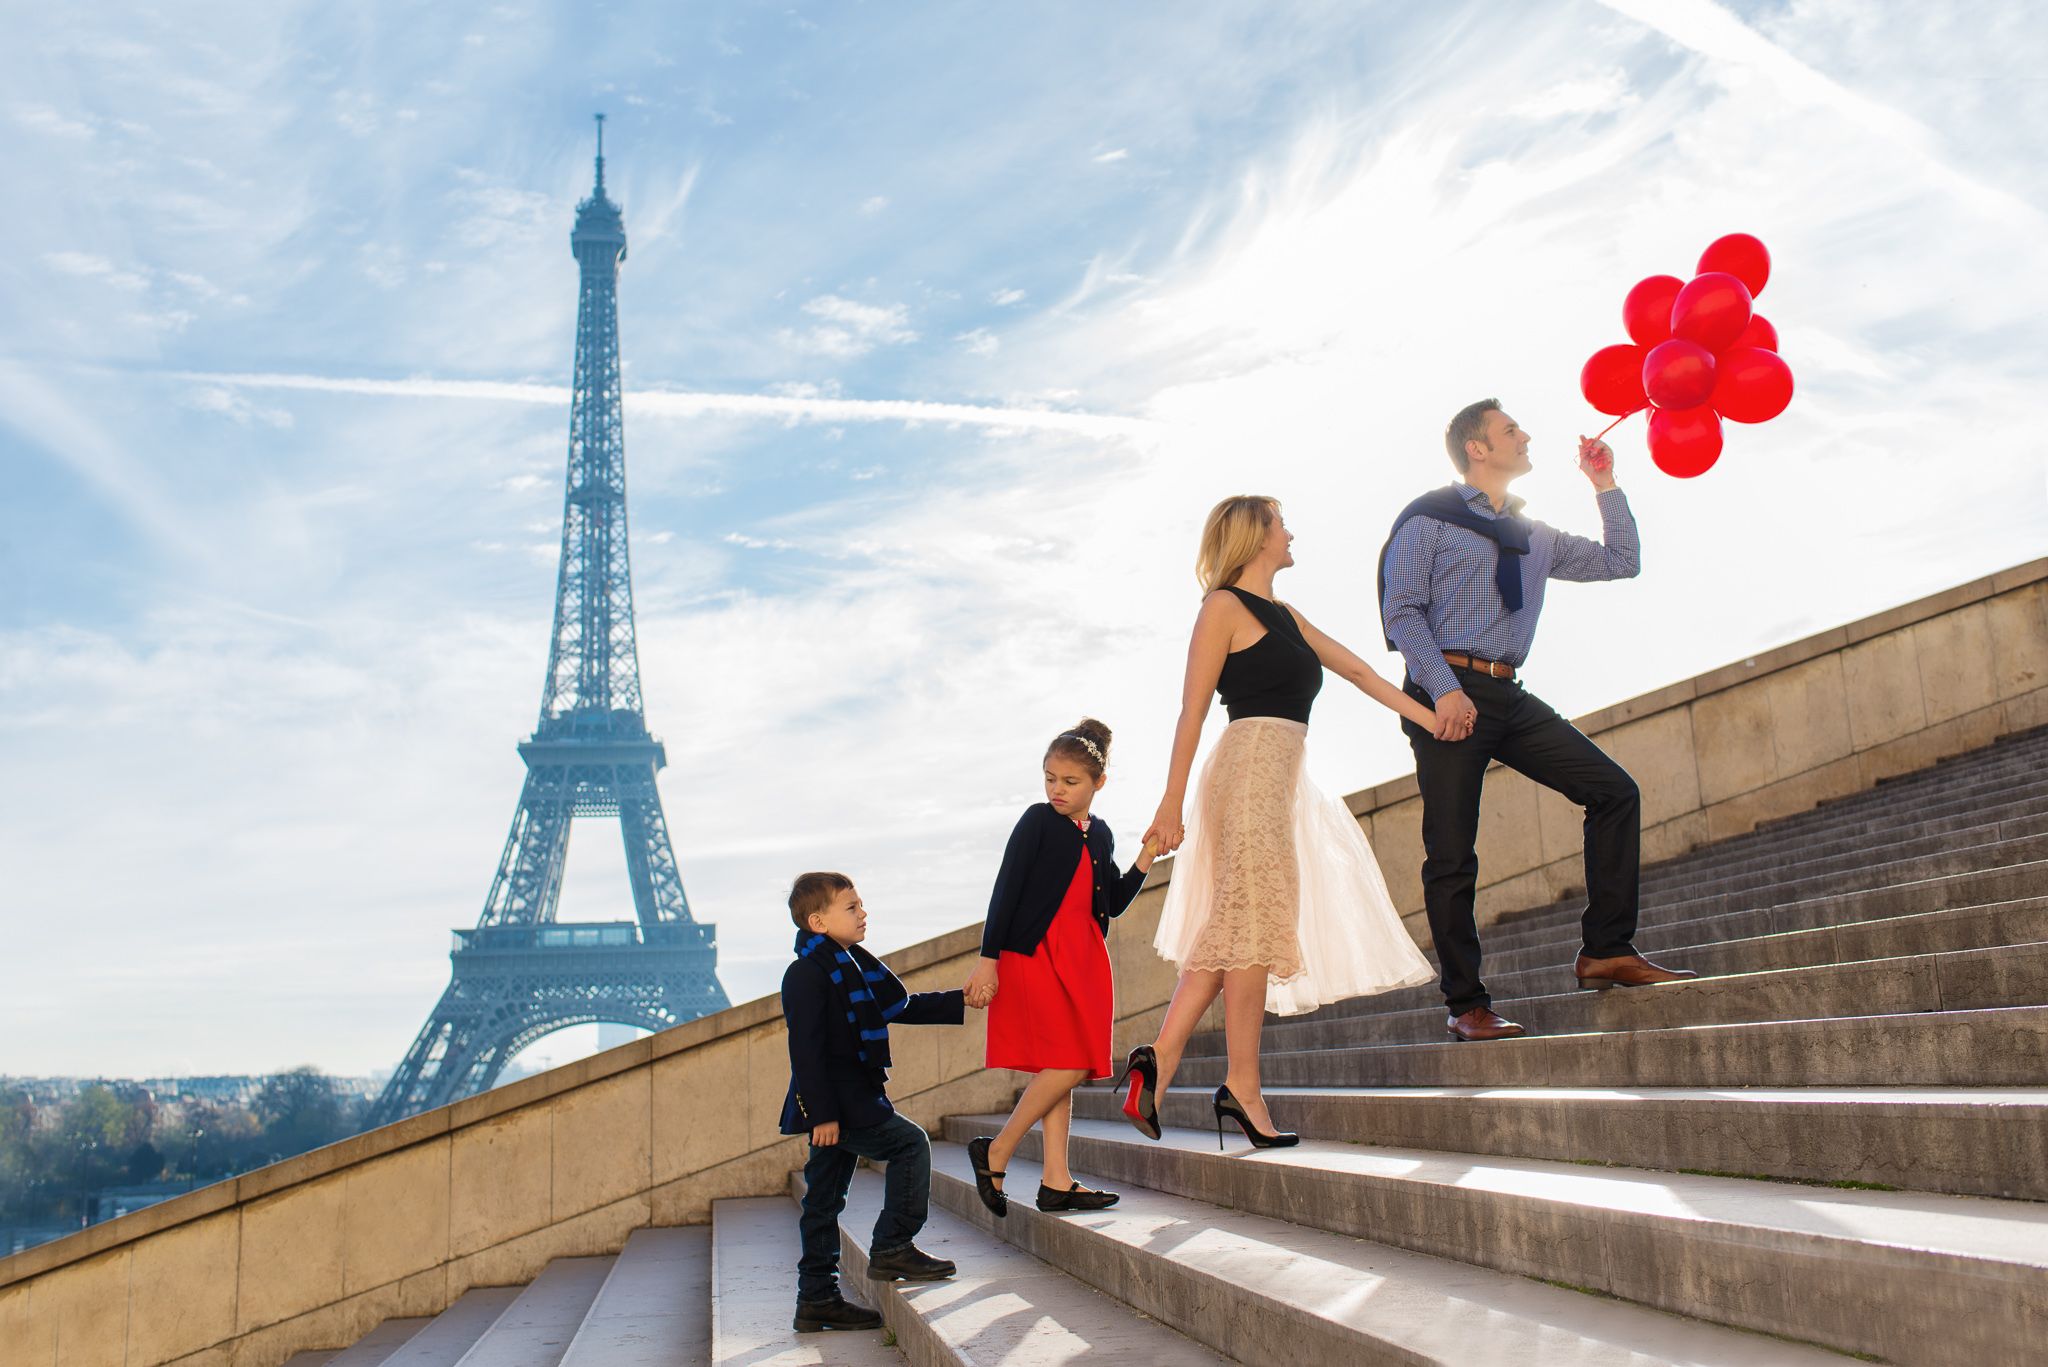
(1619,421)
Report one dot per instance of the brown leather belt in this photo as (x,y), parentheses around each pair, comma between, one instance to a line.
(1493,669)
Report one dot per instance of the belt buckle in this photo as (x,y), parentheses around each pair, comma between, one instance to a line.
(1493,669)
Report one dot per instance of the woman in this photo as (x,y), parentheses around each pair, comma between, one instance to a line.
(1276,902)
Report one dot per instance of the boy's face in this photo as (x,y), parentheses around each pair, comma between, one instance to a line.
(845,920)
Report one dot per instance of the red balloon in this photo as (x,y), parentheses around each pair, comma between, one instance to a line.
(1741,256)
(1759,333)
(1752,385)
(1678,374)
(1612,379)
(1712,310)
(1685,442)
(1646,313)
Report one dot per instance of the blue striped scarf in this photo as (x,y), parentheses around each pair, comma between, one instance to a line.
(868,993)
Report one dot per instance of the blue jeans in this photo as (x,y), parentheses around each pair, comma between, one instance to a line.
(906,1198)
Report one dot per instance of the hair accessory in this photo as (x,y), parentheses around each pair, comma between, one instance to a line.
(1085,744)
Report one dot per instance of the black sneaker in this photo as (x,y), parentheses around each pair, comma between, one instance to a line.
(814,1317)
(908,1263)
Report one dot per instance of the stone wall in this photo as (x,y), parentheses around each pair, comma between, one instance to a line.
(315,1251)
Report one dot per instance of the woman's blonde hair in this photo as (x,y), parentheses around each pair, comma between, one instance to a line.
(1233,534)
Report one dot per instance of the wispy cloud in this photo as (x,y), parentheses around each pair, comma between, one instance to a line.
(1717,34)
(847,328)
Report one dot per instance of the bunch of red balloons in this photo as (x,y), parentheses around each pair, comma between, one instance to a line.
(1700,353)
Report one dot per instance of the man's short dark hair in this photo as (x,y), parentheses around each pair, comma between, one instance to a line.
(814,892)
(1468,425)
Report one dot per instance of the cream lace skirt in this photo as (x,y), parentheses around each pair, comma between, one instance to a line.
(1274,873)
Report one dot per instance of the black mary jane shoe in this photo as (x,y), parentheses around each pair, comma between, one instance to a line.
(1076,1197)
(1229,1106)
(985,1177)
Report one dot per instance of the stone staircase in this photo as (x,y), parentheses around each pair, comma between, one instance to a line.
(1836,1144)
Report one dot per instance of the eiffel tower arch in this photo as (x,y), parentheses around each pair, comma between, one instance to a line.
(520,975)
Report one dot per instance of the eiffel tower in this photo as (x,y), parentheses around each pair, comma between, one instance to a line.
(521,975)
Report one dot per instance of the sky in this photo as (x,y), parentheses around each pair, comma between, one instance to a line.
(942,326)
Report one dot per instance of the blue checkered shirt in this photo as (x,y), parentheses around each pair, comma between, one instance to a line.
(1441,593)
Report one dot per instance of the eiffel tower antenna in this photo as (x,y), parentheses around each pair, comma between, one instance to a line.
(519,975)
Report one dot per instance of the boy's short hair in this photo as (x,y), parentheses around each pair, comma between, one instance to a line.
(814,892)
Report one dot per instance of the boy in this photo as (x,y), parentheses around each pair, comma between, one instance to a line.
(839,1002)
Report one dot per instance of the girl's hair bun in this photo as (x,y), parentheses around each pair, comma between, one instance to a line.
(1086,742)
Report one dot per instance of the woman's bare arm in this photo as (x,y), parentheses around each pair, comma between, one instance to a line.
(1339,660)
(1210,643)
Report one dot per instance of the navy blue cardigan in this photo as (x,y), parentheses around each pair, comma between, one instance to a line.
(827,1080)
(1038,867)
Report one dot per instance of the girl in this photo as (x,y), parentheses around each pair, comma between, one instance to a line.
(1277,902)
(1044,972)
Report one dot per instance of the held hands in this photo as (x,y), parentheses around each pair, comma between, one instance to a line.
(981,985)
(1166,831)
(1596,462)
(1455,716)
(826,1135)
(1143,863)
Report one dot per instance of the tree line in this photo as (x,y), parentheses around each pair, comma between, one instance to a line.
(56,1159)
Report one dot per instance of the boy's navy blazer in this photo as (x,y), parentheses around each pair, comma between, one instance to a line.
(1038,867)
(827,1080)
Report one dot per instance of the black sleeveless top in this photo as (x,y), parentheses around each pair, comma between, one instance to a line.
(1277,675)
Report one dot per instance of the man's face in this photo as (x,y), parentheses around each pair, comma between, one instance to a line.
(1505,447)
(845,919)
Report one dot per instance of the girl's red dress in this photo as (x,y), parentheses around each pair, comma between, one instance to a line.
(1053,1008)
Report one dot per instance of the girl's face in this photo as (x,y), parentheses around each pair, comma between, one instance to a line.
(1069,787)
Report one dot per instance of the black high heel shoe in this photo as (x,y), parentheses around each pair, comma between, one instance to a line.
(1227,1105)
(1141,1105)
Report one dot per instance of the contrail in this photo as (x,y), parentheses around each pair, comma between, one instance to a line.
(688,403)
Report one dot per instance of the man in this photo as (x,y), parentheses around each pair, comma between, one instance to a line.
(1461,584)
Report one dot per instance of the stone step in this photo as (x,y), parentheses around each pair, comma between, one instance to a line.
(1907,1276)
(1958,980)
(2005,821)
(654,1310)
(1870,904)
(534,1331)
(376,1347)
(2005,1047)
(1760,876)
(1988,846)
(312,1357)
(450,1334)
(1999,923)
(754,1250)
(1005,1306)
(2008,756)
(1981,1142)
(1707,901)
(1263,1290)
(1997,801)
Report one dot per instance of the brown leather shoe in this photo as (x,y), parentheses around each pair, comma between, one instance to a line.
(1480,1023)
(1629,970)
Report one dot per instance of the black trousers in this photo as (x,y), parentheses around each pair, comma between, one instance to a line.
(906,1198)
(1525,734)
